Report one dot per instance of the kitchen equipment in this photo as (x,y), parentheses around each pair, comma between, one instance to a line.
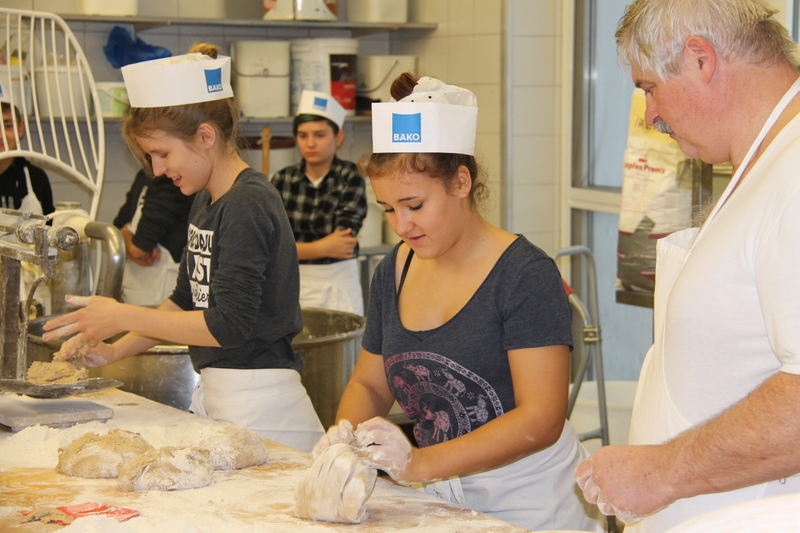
(326,65)
(18,413)
(220,9)
(301,9)
(281,153)
(260,77)
(376,74)
(113,98)
(24,237)
(329,345)
(377,11)
(52,391)
(591,351)
(62,129)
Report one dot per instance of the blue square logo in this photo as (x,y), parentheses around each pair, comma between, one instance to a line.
(320,104)
(407,128)
(214,80)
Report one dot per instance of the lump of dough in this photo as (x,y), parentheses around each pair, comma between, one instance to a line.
(95,456)
(168,468)
(336,487)
(231,447)
(55,372)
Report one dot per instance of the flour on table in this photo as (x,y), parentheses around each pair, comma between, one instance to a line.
(336,487)
(167,468)
(96,456)
(231,447)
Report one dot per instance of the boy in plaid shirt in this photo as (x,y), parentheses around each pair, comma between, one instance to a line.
(326,202)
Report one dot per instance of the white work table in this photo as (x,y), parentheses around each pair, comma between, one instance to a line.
(255,499)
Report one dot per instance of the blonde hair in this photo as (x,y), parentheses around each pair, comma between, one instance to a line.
(182,121)
(651,34)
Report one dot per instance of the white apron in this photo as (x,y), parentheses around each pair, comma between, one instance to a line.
(536,492)
(334,286)
(148,285)
(272,402)
(655,418)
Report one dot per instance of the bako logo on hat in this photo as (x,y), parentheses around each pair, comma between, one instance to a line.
(320,104)
(214,80)
(407,128)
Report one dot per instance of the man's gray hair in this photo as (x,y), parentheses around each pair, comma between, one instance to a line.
(652,33)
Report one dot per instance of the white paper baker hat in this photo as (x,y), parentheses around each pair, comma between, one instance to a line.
(178,80)
(434,118)
(322,104)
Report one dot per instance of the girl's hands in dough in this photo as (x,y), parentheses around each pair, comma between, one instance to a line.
(341,432)
(385,446)
(80,346)
(97,318)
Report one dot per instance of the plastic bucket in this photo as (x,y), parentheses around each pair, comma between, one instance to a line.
(113,98)
(325,65)
(619,404)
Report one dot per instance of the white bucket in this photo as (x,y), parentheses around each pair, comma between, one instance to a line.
(377,11)
(117,8)
(619,404)
(282,153)
(51,83)
(326,65)
(113,98)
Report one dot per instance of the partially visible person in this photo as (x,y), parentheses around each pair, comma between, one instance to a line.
(236,300)
(716,418)
(23,186)
(468,329)
(154,221)
(326,201)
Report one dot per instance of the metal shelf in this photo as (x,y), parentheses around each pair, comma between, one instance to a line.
(357,28)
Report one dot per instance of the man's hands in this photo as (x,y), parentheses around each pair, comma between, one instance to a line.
(136,254)
(626,481)
(340,244)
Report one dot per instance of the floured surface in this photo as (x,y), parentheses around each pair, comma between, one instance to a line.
(255,499)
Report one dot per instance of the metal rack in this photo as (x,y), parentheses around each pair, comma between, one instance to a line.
(592,341)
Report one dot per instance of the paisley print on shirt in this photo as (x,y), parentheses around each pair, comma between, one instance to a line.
(445,399)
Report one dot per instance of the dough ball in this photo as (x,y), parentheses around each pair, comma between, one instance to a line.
(95,456)
(231,447)
(336,487)
(168,468)
(55,372)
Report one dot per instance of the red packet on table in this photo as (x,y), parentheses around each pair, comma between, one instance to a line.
(68,513)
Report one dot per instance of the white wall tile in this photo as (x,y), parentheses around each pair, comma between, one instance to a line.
(488,17)
(461,16)
(539,17)
(488,152)
(435,11)
(535,159)
(460,51)
(535,110)
(490,112)
(533,208)
(487,64)
(533,61)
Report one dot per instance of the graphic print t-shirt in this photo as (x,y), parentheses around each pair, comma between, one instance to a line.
(453,379)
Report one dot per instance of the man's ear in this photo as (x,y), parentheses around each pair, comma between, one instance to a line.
(701,56)
(339,138)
